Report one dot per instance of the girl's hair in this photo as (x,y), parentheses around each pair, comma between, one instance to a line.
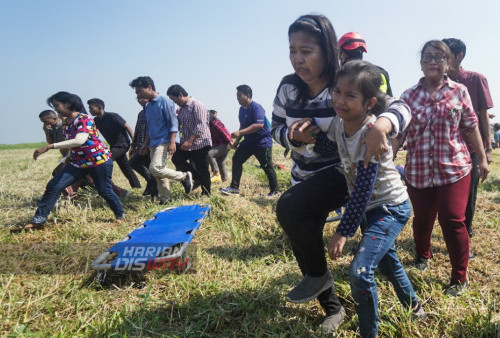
(74,101)
(369,79)
(436,44)
(319,27)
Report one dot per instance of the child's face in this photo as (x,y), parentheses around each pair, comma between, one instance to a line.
(49,121)
(348,100)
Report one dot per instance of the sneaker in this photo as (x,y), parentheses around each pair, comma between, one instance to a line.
(471,255)
(332,322)
(216,179)
(418,313)
(120,218)
(455,289)
(229,191)
(309,288)
(421,263)
(188,182)
(273,194)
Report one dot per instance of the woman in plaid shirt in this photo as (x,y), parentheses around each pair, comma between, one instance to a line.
(438,163)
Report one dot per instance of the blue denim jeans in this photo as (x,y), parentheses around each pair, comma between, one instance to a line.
(68,175)
(377,249)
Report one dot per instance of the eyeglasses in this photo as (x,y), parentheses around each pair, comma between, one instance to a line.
(438,58)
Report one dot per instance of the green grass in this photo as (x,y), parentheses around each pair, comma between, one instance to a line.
(22,146)
(243,267)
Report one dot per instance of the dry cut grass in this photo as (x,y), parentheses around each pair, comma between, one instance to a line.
(242,268)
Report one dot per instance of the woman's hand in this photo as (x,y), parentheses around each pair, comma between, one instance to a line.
(40,151)
(336,245)
(303,131)
(484,169)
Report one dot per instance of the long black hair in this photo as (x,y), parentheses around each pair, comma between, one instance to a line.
(74,101)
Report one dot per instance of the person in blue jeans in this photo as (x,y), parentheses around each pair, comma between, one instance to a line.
(376,190)
(87,156)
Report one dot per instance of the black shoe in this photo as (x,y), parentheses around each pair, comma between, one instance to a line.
(188,182)
(455,289)
(421,263)
(310,288)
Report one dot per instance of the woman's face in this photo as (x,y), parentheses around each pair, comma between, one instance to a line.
(61,108)
(307,57)
(434,63)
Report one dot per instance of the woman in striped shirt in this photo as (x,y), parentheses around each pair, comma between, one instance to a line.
(319,185)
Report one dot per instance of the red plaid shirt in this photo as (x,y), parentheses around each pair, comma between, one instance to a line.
(437,153)
(220,134)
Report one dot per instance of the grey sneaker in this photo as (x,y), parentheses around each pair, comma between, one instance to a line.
(455,289)
(188,182)
(421,263)
(309,288)
(332,322)
(418,313)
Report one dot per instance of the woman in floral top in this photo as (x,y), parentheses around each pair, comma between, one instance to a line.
(88,156)
(438,163)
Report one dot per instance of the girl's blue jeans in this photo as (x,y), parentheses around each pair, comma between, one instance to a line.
(68,175)
(377,249)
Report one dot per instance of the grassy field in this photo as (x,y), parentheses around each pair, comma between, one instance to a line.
(243,267)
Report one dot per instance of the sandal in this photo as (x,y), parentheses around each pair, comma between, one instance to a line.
(28,227)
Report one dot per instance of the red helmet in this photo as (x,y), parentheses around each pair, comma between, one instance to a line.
(352,40)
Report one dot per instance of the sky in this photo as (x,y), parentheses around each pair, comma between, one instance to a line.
(94,48)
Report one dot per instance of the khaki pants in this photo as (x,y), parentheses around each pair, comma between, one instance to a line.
(158,168)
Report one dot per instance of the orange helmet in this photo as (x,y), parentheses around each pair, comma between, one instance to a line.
(352,40)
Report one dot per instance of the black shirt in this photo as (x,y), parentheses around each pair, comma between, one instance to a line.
(112,127)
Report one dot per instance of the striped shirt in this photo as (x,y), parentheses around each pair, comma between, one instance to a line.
(140,130)
(193,120)
(437,154)
(306,157)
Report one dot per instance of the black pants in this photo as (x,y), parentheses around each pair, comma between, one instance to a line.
(302,211)
(471,204)
(263,155)
(119,155)
(198,165)
(140,163)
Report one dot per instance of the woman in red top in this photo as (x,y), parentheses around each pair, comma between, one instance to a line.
(88,156)
(438,163)
(222,142)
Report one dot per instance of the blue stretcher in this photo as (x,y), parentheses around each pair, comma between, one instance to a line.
(160,243)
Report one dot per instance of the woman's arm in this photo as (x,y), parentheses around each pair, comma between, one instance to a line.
(79,140)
